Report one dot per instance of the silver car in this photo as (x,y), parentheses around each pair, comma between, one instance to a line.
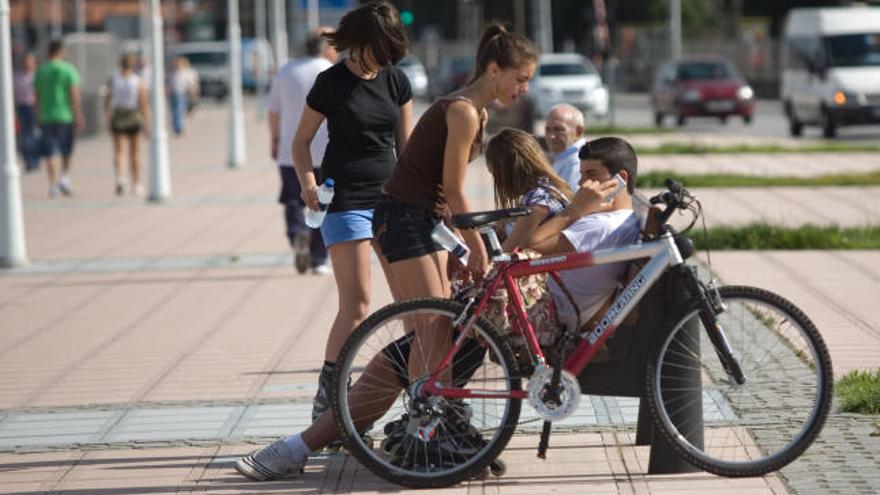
(568,78)
(418,78)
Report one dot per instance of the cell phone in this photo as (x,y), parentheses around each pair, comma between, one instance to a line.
(621,185)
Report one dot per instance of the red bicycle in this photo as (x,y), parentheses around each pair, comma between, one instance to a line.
(739,381)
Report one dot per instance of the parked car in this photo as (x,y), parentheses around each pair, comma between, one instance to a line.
(701,86)
(257,64)
(568,78)
(210,59)
(418,78)
(452,74)
(831,68)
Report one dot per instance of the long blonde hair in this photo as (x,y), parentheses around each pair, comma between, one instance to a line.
(517,162)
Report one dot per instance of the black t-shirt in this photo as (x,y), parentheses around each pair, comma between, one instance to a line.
(361,117)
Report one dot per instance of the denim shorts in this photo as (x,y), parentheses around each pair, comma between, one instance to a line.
(56,139)
(344,226)
(403,231)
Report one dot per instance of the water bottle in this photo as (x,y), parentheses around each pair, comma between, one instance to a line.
(450,242)
(325,196)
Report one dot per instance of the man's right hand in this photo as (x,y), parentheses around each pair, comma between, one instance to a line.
(588,199)
(80,124)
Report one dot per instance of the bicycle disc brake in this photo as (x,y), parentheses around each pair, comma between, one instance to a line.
(553,405)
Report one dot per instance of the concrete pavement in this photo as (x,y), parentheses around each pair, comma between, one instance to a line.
(148,346)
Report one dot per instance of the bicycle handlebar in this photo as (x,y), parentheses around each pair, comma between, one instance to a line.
(674,198)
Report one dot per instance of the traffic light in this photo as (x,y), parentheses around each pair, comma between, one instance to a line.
(406,17)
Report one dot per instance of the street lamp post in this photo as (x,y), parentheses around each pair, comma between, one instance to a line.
(260,72)
(279,31)
(80,7)
(314,16)
(160,180)
(236,113)
(12,245)
(675,28)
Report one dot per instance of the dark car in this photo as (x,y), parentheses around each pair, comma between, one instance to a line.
(452,74)
(701,87)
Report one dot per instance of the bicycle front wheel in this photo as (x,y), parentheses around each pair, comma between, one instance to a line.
(756,427)
(423,440)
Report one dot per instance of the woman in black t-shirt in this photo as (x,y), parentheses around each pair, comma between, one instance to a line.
(367,103)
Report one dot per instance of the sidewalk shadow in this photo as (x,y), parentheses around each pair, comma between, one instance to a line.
(17,466)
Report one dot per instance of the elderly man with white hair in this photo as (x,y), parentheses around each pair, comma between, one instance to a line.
(563,129)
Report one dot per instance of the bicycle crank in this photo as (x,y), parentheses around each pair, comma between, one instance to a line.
(553,405)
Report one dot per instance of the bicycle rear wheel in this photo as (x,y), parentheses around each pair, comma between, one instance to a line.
(756,427)
(427,441)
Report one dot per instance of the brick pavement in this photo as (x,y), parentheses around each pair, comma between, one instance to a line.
(194,302)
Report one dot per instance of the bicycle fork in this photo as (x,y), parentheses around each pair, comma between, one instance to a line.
(710,307)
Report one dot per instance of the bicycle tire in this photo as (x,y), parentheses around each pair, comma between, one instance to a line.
(747,424)
(376,460)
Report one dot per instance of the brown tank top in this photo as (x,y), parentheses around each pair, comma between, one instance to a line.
(418,177)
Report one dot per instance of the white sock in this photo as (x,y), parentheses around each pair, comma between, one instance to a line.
(298,447)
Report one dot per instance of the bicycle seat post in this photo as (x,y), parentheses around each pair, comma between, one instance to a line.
(493,245)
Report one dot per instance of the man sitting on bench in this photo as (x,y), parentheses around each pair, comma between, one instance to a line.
(581,227)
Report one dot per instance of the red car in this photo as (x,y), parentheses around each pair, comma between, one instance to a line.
(705,86)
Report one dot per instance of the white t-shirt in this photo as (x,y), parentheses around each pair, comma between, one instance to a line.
(287,98)
(124,91)
(183,81)
(593,285)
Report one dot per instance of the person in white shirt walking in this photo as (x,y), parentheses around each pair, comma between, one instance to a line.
(127,112)
(564,129)
(183,92)
(287,98)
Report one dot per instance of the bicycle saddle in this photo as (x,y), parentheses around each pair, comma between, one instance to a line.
(479,219)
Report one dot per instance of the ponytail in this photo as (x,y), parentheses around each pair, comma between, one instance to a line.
(507,49)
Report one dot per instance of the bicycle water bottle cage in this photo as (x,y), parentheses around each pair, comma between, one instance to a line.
(480,219)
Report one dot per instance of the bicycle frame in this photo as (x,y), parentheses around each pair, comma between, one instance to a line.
(663,254)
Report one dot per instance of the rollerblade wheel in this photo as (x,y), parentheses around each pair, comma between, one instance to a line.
(497,468)
(387,444)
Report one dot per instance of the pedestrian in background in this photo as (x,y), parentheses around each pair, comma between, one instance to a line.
(183,90)
(59,109)
(564,130)
(127,113)
(25,100)
(367,103)
(287,98)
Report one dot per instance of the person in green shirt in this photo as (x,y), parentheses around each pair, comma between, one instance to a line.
(59,114)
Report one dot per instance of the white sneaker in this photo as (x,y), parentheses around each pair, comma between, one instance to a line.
(138,190)
(272,462)
(54,191)
(64,185)
(322,270)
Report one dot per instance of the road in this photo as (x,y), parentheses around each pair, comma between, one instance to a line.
(633,110)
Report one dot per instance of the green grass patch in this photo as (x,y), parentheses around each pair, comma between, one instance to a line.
(617,130)
(859,392)
(760,236)
(658,178)
(698,149)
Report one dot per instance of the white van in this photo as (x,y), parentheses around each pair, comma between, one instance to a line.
(831,68)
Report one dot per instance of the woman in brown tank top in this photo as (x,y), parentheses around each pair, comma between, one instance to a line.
(444,141)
